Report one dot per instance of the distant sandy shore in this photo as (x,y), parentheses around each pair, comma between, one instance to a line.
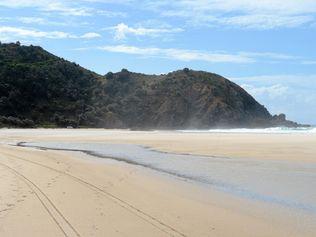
(300,147)
(56,193)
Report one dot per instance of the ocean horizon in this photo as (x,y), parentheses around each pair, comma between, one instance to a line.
(272,130)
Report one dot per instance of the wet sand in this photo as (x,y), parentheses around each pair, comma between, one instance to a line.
(301,147)
(58,193)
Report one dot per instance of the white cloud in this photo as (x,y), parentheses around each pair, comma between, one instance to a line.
(22,3)
(293,95)
(309,62)
(67,9)
(111,1)
(179,54)
(90,35)
(4,19)
(63,7)
(33,20)
(111,13)
(47,21)
(265,22)
(249,14)
(304,81)
(271,55)
(268,6)
(199,55)
(16,33)
(7,32)
(38,21)
(273,91)
(122,30)
(263,14)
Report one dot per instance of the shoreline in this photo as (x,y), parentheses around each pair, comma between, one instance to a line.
(293,147)
(167,205)
(223,182)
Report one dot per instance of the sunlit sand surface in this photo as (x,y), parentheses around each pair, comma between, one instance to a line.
(157,183)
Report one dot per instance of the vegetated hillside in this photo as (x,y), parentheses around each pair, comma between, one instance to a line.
(40,89)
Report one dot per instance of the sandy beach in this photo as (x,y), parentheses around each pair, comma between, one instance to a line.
(67,193)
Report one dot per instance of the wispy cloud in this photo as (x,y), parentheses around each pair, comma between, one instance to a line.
(5,19)
(33,20)
(290,94)
(195,55)
(90,35)
(178,54)
(63,7)
(271,55)
(198,55)
(46,5)
(309,62)
(305,81)
(264,21)
(299,87)
(273,91)
(16,33)
(38,21)
(43,21)
(267,14)
(121,31)
(249,14)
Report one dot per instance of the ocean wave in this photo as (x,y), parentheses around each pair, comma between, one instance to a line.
(277,130)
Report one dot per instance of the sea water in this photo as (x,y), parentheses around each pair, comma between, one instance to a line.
(286,183)
(274,130)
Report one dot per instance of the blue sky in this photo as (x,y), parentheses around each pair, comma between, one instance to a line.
(266,46)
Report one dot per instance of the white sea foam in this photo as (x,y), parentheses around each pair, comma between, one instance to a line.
(277,130)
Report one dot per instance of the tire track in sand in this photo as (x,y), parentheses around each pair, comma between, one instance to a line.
(166,228)
(63,224)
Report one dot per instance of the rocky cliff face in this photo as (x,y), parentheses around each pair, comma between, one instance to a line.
(40,89)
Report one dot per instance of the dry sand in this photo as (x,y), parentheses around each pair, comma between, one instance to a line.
(54,193)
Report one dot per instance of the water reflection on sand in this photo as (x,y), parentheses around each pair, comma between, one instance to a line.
(290,184)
